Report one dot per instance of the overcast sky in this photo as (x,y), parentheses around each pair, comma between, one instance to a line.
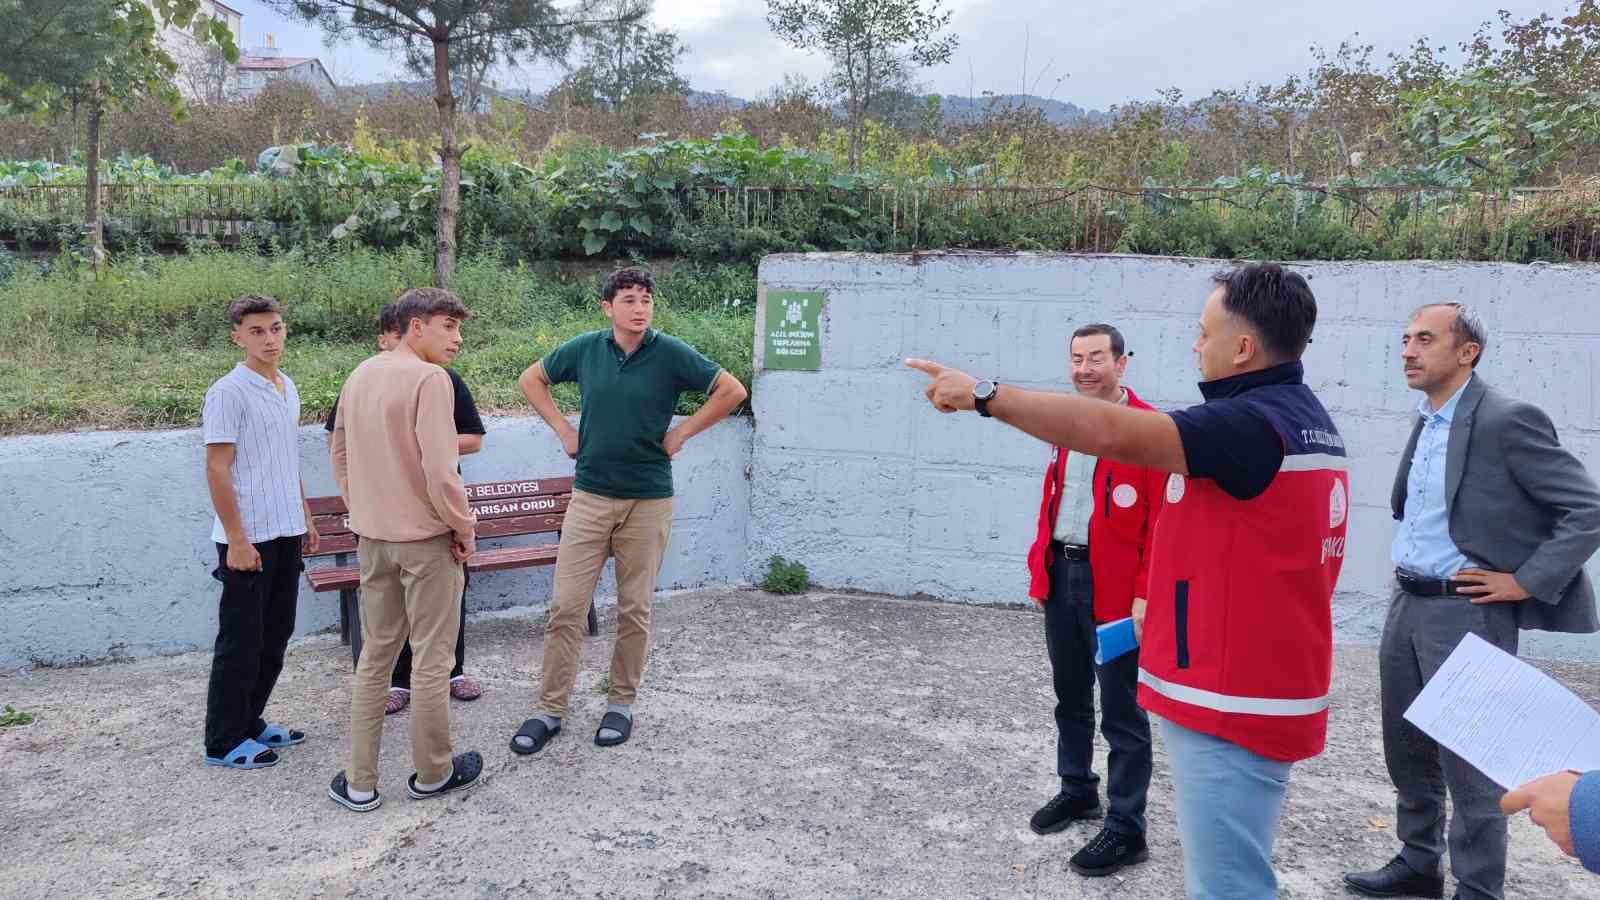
(1110,50)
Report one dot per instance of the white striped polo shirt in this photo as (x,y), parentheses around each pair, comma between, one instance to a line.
(243,408)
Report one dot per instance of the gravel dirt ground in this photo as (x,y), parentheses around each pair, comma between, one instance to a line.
(823,745)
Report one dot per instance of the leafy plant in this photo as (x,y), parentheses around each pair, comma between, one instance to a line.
(13,716)
(785,577)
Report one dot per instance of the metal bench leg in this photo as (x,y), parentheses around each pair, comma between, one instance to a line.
(344,616)
(350,602)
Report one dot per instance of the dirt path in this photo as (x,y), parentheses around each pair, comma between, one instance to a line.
(816,746)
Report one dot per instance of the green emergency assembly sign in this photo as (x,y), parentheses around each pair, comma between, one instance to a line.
(793,336)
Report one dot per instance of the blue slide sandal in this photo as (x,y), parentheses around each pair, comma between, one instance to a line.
(277,736)
(248,755)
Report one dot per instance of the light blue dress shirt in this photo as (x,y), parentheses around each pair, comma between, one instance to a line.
(1422,544)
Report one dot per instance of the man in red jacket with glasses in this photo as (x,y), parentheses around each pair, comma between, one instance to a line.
(1089,565)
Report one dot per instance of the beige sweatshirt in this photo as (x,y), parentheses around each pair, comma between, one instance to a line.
(394,451)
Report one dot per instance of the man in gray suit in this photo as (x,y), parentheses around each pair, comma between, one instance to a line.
(1496,522)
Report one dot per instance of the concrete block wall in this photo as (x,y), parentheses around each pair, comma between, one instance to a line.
(860,479)
(105,545)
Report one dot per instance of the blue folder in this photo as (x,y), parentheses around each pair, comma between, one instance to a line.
(1113,639)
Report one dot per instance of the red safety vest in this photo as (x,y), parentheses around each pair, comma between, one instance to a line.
(1127,499)
(1238,635)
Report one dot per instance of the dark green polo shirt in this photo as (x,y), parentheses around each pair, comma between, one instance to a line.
(627,408)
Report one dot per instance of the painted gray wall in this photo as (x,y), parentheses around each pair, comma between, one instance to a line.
(862,481)
(105,545)
(105,535)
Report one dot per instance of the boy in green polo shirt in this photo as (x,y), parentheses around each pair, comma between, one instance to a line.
(629,377)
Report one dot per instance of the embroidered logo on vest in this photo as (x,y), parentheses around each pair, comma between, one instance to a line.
(1338,505)
(1174,487)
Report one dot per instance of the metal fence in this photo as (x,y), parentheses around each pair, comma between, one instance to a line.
(1090,218)
(1095,218)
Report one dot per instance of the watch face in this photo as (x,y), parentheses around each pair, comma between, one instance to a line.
(983,390)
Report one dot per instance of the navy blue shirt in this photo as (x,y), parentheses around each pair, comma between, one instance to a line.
(1229,439)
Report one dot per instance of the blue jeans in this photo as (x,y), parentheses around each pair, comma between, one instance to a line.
(1228,803)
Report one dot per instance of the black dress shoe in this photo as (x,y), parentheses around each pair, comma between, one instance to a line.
(1062,810)
(1395,879)
(1108,853)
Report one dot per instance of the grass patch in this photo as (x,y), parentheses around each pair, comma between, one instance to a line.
(12,716)
(138,347)
(785,577)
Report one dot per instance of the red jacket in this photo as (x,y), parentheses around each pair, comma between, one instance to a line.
(1127,499)
(1238,640)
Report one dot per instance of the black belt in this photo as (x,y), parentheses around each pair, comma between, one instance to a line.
(1070,551)
(1424,586)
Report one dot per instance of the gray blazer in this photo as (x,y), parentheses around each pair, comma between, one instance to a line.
(1518,502)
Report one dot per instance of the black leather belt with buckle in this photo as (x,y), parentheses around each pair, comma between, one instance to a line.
(1070,551)
(1424,586)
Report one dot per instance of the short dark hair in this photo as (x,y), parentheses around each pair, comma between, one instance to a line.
(622,279)
(249,305)
(1110,331)
(1276,302)
(1468,328)
(425,303)
(389,319)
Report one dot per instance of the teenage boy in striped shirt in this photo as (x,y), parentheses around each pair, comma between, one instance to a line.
(251,424)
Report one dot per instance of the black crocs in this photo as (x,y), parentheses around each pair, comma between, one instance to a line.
(617,722)
(339,792)
(466,773)
(537,733)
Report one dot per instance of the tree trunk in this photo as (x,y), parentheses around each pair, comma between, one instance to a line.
(444,262)
(91,211)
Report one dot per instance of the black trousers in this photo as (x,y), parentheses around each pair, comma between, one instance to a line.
(254,623)
(1070,639)
(402,666)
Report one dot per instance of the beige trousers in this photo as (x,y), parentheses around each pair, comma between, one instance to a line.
(408,589)
(635,532)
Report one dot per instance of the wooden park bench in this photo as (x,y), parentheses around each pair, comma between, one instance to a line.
(504,509)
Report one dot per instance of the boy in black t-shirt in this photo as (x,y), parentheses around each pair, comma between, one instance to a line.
(469,439)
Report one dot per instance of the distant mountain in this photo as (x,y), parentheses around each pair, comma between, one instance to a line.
(716,100)
(1056,112)
(956,109)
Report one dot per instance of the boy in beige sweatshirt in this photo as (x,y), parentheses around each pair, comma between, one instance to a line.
(394,458)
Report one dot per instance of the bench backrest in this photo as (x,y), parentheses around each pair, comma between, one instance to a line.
(504,508)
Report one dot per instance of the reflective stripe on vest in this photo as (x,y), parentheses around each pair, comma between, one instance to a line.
(1314,462)
(1255,706)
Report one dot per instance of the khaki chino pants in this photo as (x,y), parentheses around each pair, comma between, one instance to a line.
(413,589)
(635,532)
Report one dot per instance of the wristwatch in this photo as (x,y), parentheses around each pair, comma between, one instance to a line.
(982,393)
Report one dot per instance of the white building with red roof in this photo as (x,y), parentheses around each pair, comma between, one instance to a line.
(259,66)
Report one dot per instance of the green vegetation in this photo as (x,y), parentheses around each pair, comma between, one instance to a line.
(728,199)
(138,346)
(334,204)
(12,716)
(785,577)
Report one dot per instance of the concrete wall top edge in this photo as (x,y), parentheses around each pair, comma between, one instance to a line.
(976,255)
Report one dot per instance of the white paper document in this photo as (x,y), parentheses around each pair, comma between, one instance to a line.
(1509,720)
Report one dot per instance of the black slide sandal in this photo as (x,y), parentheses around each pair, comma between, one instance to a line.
(616,722)
(534,730)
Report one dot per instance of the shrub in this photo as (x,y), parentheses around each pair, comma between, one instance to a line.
(785,577)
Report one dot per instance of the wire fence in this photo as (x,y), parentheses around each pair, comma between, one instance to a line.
(1431,222)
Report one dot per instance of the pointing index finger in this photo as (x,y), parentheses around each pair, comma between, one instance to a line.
(926,366)
(1516,801)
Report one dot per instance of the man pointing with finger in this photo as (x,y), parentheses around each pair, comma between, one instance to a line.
(1237,651)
